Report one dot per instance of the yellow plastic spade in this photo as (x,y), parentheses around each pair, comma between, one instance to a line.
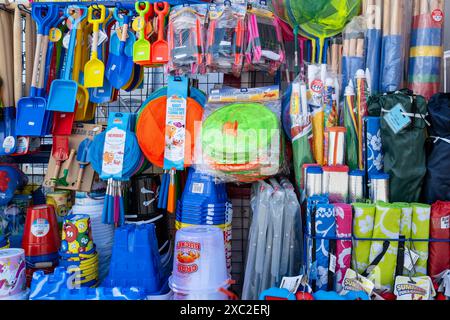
(94,70)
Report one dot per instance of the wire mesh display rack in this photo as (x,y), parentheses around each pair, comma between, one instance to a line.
(35,166)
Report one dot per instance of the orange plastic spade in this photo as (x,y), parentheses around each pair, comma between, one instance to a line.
(160,48)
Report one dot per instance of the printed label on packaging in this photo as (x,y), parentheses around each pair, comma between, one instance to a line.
(198,187)
(268,93)
(437,15)
(113,152)
(445,222)
(188,253)
(396,119)
(40,227)
(9,143)
(416,288)
(355,282)
(291,283)
(175,135)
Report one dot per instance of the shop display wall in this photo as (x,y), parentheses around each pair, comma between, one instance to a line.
(35,166)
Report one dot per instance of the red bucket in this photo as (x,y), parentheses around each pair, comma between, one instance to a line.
(41,233)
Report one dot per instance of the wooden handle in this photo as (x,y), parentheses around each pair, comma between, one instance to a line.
(79,177)
(57,168)
(395,17)
(352,47)
(37,55)
(42,65)
(378,16)
(387,17)
(17,55)
(360,47)
(124,33)
(345,49)
(29,52)
(69,160)
(424,8)
(368,10)
(334,57)
(8,48)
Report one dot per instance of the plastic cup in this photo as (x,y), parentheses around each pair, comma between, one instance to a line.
(199,262)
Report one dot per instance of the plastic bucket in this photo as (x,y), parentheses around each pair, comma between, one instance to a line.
(41,233)
(12,272)
(21,296)
(199,261)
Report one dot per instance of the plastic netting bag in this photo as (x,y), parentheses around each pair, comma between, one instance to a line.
(265,46)
(185,37)
(225,37)
(240,138)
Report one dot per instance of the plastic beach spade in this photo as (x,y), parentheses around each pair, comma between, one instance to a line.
(120,65)
(141,48)
(94,70)
(63,92)
(31,110)
(160,48)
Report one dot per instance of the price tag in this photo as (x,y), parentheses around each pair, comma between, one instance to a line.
(198,187)
(102,37)
(445,222)
(408,263)
(396,119)
(138,24)
(66,40)
(332,264)
(291,283)
(54,35)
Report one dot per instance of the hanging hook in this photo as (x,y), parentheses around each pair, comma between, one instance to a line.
(23,8)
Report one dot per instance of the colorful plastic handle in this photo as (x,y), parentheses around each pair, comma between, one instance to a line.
(140,11)
(92,19)
(161,11)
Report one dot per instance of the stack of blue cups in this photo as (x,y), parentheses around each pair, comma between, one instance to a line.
(205,202)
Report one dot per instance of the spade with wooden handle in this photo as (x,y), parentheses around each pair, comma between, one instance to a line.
(83,150)
(60,152)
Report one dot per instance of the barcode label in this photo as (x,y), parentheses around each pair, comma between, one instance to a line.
(445,222)
(197,187)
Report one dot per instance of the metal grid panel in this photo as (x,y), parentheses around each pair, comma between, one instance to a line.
(131,101)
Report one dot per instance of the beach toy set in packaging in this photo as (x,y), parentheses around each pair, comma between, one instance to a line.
(241,137)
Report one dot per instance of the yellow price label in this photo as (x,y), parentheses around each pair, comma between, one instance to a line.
(138,24)
(54,35)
